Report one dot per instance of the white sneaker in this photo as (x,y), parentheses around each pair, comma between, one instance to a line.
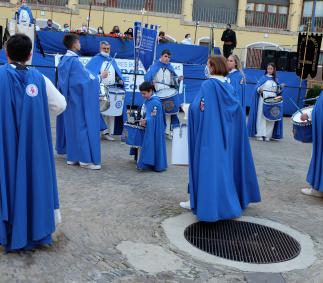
(259,139)
(185,204)
(312,192)
(90,166)
(108,137)
(267,139)
(71,162)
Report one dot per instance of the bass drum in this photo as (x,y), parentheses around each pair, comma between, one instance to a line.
(116,98)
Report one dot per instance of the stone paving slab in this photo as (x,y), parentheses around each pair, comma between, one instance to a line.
(103,209)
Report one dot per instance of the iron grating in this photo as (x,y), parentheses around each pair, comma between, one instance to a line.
(242,241)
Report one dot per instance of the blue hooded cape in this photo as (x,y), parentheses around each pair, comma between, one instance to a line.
(27,9)
(28,188)
(252,120)
(222,175)
(94,66)
(154,68)
(235,80)
(315,171)
(153,152)
(78,128)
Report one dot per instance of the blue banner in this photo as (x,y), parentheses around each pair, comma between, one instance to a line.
(147,49)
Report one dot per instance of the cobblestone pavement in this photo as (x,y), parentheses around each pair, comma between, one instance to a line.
(119,205)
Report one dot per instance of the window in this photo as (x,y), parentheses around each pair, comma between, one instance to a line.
(260,7)
(308,6)
(272,9)
(267,15)
(282,10)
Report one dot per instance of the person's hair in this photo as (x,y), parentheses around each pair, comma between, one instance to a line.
(238,65)
(66,25)
(218,65)
(166,51)
(115,28)
(229,25)
(70,39)
(274,66)
(187,35)
(49,20)
(104,43)
(161,33)
(19,47)
(147,86)
(100,28)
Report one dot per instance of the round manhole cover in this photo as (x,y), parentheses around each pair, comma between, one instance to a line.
(242,241)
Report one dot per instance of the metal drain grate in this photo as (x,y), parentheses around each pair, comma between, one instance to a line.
(242,241)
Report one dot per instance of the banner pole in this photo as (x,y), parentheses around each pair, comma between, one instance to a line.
(304,58)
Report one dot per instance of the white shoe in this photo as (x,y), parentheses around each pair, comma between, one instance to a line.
(71,162)
(108,137)
(185,204)
(267,139)
(259,139)
(90,166)
(312,192)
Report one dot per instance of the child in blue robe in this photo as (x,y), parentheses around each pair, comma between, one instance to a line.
(78,128)
(153,153)
(315,171)
(29,205)
(258,125)
(222,175)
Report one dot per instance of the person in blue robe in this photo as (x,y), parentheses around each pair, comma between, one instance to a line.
(162,74)
(24,14)
(315,171)
(78,128)
(153,153)
(237,79)
(95,66)
(222,175)
(28,187)
(258,126)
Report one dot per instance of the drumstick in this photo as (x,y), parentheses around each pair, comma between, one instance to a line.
(108,65)
(298,109)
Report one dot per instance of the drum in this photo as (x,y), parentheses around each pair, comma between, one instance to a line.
(134,134)
(104,98)
(169,99)
(273,108)
(116,97)
(302,130)
(180,145)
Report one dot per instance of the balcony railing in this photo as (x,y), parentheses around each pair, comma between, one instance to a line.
(160,6)
(318,23)
(268,20)
(214,15)
(60,3)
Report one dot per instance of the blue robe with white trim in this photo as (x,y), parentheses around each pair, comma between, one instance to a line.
(222,175)
(236,80)
(153,152)
(28,10)
(78,128)
(252,120)
(315,171)
(150,75)
(94,66)
(28,188)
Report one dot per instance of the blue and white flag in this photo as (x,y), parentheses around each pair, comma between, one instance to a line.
(145,43)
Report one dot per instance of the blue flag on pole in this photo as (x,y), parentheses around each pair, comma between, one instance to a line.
(145,43)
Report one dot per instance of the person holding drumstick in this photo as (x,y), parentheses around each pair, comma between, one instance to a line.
(163,76)
(258,125)
(315,171)
(153,153)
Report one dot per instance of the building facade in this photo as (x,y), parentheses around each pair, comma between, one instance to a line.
(275,22)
